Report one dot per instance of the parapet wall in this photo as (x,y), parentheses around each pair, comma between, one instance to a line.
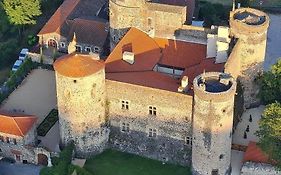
(218,96)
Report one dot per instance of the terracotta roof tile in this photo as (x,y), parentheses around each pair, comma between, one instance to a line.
(14,124)
(59,17)
(181,54)
(147,53)
(255,154)
(88,31)
(148,79)
(78,65)
(152,51)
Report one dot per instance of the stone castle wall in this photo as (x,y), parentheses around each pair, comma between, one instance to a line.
(252,47)
(81,104)
(172,122)
(153,18)
(212,130)
(250,168)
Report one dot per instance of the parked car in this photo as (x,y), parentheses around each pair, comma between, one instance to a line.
(16,65)
(23,54)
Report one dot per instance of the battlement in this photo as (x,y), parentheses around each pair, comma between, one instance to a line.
(214,86)
(247,21)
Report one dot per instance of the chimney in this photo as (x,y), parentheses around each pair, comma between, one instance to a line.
(184,85)
(129,57)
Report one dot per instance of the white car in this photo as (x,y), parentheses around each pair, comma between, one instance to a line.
(23,54)
(16,65)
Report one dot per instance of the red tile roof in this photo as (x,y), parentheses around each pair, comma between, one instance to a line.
(78,65)
(147,53)
(14,124)
(59,17)
(181,54)
(152,51)
(255,154)
(147,79)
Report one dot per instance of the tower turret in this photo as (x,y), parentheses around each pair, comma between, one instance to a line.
(81,102)
(212,123)
(250,27)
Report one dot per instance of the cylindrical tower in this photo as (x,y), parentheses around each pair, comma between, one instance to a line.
(80,81)
(250,27)
(123,15)
(212,123)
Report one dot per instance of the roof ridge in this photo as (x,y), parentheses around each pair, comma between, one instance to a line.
(18,126)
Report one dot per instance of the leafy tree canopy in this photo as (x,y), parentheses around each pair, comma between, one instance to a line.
(270,132)
(22,12)
(270,83)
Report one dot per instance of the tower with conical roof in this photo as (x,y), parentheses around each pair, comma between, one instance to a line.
(81,103)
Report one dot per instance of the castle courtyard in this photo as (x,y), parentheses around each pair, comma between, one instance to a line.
(36,95)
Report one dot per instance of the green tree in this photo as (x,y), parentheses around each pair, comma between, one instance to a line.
(270,132)
(270,84)
(22,12)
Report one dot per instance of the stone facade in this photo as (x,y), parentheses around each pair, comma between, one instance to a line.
(153,18)
(252,35)
(81,105)
(250,168)
(171,123)
(62,44)
(212,123)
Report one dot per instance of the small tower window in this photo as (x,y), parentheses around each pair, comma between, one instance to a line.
(1,138)
(7,139)
(125,104)
(221,156)
(152,110)
(74,81)
(78,48)
(88,49)
(15,141)
(62,45)
(152,132)
(149,22)
(188,140)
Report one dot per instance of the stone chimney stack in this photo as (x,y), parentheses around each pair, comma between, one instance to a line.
(184,85)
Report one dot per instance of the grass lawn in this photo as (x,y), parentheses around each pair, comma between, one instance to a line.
(113,162)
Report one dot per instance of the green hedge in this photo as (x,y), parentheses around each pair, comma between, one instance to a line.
(48,123)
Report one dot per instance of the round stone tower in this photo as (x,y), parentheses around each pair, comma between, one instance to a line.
(123,15)
(250,27)
(212,123)
(80,81)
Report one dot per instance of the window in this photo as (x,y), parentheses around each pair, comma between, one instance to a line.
(1,150)
(78,48)
(188,140)
(18,158)
(15,141)
(96,49)
(152,110)
(125,104)
(149,21)
(221,156)
(7,139)
(88,49)
(152,132)
(1,138)
(125,127)
(215,172)
(62,45)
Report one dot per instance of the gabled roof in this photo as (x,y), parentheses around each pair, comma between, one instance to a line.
(59,17)
(15,124)
(78,65)
(150,52)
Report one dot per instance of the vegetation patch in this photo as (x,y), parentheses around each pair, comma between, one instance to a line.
(48,123)
(113,162)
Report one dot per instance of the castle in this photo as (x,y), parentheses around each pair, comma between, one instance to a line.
(167,90)
(160,96)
